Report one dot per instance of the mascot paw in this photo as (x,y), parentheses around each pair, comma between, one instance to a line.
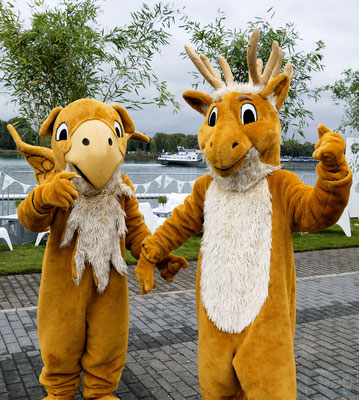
(108,397)
(330,148)
(144,273)
(170,266)
(60,192)
(52,397)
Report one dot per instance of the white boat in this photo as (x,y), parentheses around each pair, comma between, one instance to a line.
(184,157)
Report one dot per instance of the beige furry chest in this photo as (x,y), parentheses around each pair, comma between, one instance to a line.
(236,250)
(100,223)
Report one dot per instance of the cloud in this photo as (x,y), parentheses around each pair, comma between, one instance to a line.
(331,21)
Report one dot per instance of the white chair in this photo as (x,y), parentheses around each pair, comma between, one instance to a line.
(40,236)
(4,235)
(344,222)
(152,221)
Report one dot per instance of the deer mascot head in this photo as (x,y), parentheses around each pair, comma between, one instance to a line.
(241,119)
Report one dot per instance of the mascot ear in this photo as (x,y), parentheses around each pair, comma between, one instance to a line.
(129,125)
(198,100)
(47,126)
(279,88)
(125,118)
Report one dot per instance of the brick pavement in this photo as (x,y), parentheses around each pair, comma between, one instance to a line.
(161,361)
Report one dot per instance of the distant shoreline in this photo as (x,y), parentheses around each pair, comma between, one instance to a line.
(149,157)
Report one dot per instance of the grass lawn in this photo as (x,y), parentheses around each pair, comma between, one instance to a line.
(28,258)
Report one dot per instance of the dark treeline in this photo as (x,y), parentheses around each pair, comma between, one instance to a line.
(23,128)
(293,148)
(164,142)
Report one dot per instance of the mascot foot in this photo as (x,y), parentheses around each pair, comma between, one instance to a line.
(108,397)
(52,397)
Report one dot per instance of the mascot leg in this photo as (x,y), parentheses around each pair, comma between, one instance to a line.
(265,366)
(107,337)
(217,377)
(62,333)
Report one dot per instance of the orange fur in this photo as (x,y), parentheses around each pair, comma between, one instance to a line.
(80,328)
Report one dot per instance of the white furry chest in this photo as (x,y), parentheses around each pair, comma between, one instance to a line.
(236,249)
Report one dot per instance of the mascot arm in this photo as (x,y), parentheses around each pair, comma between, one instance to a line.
(313,208)
(186,221)
(37,211)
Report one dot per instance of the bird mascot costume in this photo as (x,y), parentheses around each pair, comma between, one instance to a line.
(92,213)
(248,208)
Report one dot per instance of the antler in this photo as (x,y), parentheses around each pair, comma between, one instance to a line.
(206,69)
(255,66)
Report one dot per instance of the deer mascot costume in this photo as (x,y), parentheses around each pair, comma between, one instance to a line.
(92,213)
(248,208)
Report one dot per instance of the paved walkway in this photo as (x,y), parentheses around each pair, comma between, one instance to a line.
(162,353)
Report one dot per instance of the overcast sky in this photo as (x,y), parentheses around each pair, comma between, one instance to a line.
(334,22)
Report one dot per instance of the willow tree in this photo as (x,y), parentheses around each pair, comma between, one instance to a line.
(65,55)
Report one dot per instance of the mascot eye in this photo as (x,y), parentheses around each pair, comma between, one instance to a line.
(212,119)
(118,129)
(62,132)
(248,113)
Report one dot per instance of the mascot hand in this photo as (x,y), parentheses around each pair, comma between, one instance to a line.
(144,273)
(170,266)
(60,192)
(329,149)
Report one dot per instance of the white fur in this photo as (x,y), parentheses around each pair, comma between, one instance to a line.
(99,220)
(251,172)
(244,88)
(236,250)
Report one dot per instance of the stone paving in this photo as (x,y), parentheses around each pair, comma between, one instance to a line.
(162,352)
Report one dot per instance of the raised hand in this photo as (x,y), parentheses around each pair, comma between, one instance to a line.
(330,148)
(170,266)
(60,192)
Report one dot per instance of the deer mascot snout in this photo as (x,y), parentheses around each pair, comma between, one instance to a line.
(248,208)
(92,213)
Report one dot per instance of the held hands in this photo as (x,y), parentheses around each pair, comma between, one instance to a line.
(144,273)
(60,192)
(168,268)
(329,149)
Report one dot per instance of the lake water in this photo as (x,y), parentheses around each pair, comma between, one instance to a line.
(150,179)
(139,173)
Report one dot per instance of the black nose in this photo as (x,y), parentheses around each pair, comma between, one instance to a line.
(110,141)
(85,142)
(235,144)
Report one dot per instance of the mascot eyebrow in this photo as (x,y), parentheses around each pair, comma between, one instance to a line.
(248,208)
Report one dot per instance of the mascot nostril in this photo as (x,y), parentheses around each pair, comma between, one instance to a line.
(235,144)
(85,142)
(110,141)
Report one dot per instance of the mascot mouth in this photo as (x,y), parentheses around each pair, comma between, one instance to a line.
(83,176)
(236,165)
